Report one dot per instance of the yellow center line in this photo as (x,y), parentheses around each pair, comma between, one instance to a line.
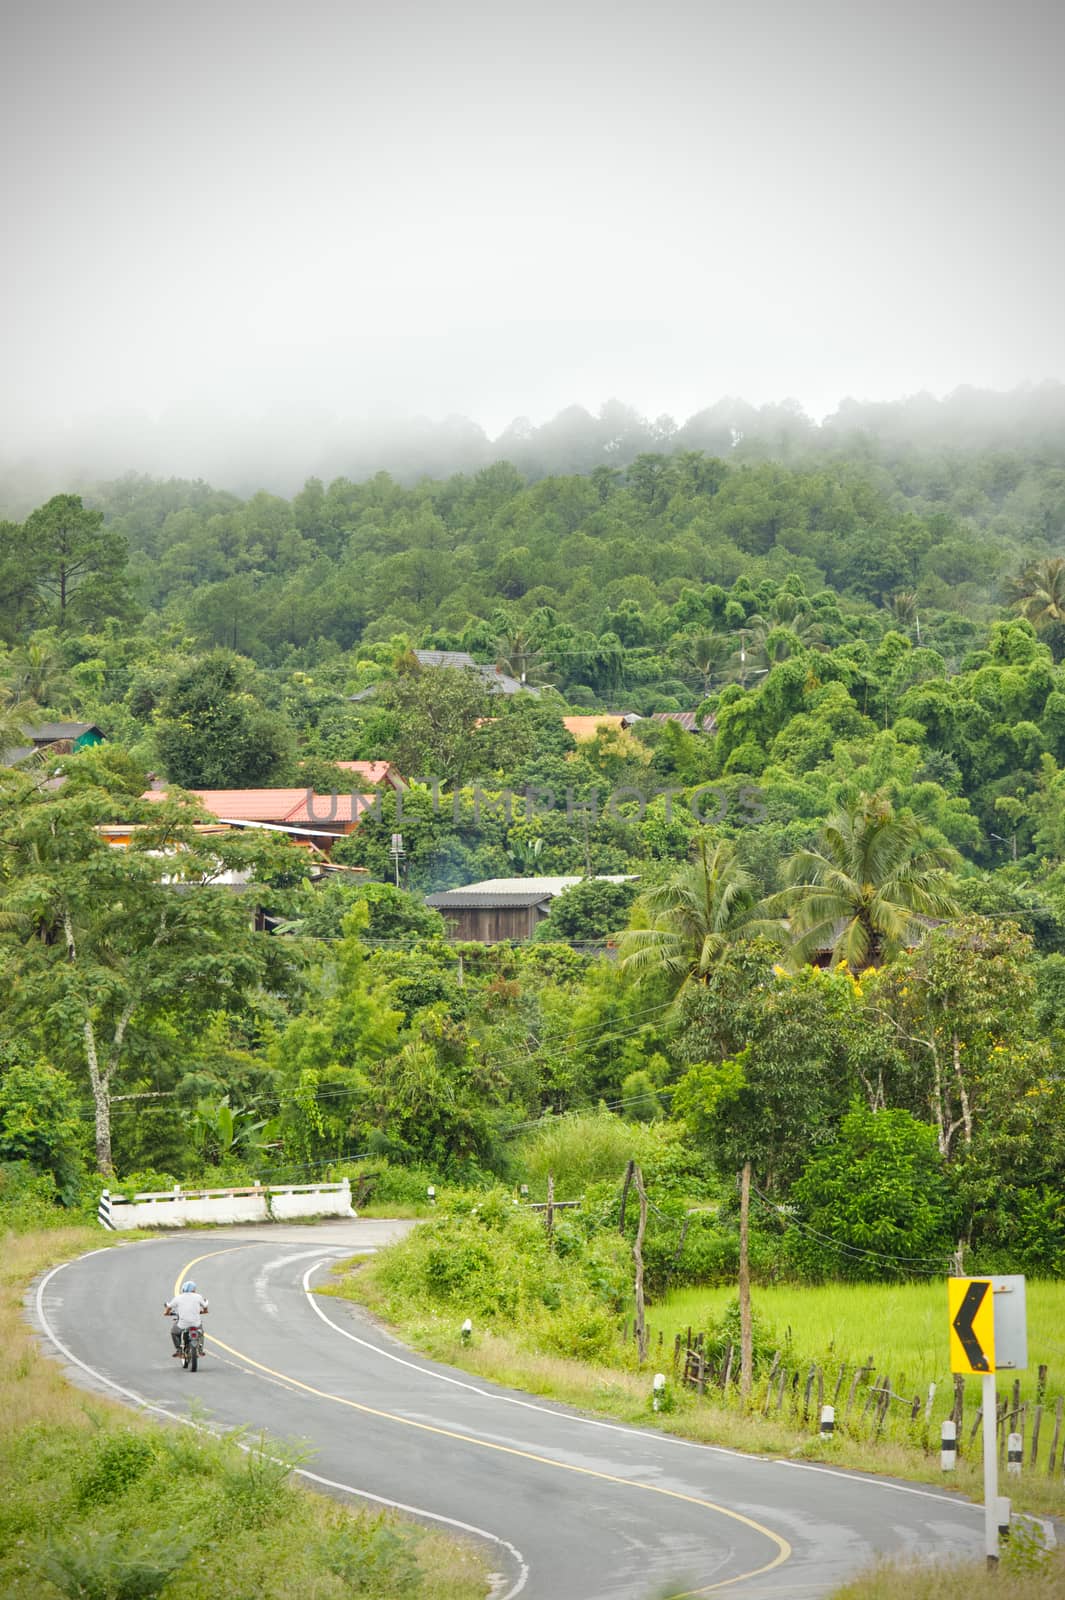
(783,1547)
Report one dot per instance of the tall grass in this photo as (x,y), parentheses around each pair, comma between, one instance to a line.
(1016,1579)
(580,1150)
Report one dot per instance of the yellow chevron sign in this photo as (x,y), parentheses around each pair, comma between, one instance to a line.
(971,1308)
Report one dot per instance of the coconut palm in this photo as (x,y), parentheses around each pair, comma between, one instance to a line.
(692,917)
(1039,592)
(706,652)
(15,714)
(37,674)
(864,890)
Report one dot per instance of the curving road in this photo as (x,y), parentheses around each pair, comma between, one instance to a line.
(571,1507)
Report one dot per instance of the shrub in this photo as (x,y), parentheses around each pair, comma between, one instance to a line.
(876,1202)
(113,1566)
(374,1561)
(118,1461)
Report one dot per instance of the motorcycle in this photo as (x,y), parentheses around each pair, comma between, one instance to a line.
(192,1347)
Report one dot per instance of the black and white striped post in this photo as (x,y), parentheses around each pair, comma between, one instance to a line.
(103,1211)
(828,1422)
(948,1446)
(1003,1517)
(1014,1454)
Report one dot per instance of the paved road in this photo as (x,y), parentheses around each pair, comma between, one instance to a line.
(572,1508)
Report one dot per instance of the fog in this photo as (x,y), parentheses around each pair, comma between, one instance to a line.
(253,241)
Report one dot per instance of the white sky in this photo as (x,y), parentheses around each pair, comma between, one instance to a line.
(223,211)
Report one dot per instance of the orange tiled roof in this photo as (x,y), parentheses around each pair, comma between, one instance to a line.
(277,805)
(374,772)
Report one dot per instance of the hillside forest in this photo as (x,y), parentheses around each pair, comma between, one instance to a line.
(837,949)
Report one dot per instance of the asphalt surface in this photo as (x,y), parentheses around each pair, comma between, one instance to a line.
(569,1507)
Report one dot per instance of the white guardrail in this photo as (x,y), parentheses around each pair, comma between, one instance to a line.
(178,1208)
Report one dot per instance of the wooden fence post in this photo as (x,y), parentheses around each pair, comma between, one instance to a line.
(637,1255)
(1037,1417)
(1058,1408)
(624,1202)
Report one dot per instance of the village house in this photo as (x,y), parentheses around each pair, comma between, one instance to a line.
(502,908)
(55,738)
(320,819)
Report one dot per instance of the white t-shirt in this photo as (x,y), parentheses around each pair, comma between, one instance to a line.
(189,1309)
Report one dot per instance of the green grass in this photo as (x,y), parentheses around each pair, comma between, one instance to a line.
(903,1327)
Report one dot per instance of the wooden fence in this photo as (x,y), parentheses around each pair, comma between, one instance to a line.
(868,1402)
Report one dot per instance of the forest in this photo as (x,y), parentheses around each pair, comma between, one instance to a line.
(836,800)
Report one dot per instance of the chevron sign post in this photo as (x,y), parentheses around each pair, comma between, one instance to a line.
(988,1334)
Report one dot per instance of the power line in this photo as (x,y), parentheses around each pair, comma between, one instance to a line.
(928,1266)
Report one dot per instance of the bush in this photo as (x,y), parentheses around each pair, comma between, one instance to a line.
(114,1566)
(488,1259)
(876,1202)
(30,1199)
(119,1461)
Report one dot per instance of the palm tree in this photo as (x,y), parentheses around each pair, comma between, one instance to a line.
(37,674)
(866,887)
(692,918)
(707,652)
(1039,592)
(15,714)
(519,655)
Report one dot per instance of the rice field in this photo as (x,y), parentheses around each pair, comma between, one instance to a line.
(902,1327)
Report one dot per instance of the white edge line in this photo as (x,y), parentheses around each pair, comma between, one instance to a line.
(620,1427)
(347,1488)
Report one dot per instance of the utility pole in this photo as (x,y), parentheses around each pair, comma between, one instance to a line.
(746,1330)
(396,851)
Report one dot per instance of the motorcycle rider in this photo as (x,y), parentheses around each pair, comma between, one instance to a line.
(188,1308)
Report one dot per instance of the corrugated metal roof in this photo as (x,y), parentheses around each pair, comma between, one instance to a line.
(472,900)
(505,892)
(48,732)
(686,720)
(445,658)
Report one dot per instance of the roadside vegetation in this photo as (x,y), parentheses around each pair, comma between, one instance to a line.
(97,1503)
(1022,1575)
(554,1314)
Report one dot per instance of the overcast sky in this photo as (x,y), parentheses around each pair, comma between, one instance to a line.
(237,209)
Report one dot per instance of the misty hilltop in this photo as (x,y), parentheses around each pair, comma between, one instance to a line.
(279,453)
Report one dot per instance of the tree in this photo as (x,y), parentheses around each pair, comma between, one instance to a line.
(436,712)
(212,730)
(692,917)
(40,1121)
(876,1201)
(98,944)
(587,911)
(1039,593)
(78,561)
(962,1006)
(862,891)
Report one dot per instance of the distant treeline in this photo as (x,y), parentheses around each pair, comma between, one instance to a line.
(277,454)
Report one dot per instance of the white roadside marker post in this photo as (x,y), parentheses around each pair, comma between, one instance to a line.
(657,1388)
(1014,1454)
(828,1422)
(948,1446)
